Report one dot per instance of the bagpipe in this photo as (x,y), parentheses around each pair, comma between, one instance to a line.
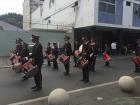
(136,60)
(64,58)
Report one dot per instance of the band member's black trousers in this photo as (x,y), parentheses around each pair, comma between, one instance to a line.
(85,71)
(38,77)
(49,63)
(75,61)
(55,64)
(92,62)
(67,67)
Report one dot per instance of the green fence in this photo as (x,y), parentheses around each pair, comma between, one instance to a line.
(7,39)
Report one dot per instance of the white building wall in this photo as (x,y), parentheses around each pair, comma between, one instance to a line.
(81,16)
(61,19)
(36,20)
(86,14)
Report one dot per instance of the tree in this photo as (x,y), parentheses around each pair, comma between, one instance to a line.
(13,19)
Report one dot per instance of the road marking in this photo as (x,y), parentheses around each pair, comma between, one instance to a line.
(70,92)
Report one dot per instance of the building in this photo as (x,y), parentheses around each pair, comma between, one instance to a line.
(29,6)
(8,27)
(105,20)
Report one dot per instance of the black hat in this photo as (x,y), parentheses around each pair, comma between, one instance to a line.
(24,43)
(35,37)
(66,37)
(19,40)
(84,38)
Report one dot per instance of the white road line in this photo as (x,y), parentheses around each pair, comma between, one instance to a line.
(70,92)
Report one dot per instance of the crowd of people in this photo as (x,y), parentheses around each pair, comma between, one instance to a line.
(84,56)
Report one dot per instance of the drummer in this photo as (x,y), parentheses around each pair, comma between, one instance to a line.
(85,55)
(67,51)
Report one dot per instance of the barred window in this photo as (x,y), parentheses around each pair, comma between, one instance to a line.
(107,6)
(136,10)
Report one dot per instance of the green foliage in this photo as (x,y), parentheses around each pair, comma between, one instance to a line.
(13,19)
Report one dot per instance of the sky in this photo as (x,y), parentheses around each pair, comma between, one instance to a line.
(11,6)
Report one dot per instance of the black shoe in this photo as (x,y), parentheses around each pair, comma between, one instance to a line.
(136,71)
(55,68)
(49,65)
(33,87)
(37,89)
(24,78)
(66,74)
(86,81)
(81,80)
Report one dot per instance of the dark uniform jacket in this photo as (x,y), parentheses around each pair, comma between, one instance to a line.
(18,49)
(68,49)
(138,49)
(93,50)
(48,50)
(85,50)
(37,54)
(24,52)
(55,52)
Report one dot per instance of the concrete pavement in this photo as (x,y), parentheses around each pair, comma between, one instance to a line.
(14,90)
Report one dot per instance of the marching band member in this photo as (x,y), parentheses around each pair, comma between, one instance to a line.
(55,54)
(74,57)
(37,55)
(48,51)
(85,56)
(24,52)
(67,52)
(92,55)
(18,45)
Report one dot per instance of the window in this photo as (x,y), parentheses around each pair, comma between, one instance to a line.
(107,6)
(136,10)
(128,3)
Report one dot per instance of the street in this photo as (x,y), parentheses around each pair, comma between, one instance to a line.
(13,89)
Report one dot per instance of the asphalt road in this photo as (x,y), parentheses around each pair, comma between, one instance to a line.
(13,89)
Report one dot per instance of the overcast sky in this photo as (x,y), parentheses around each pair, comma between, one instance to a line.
(11,6)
